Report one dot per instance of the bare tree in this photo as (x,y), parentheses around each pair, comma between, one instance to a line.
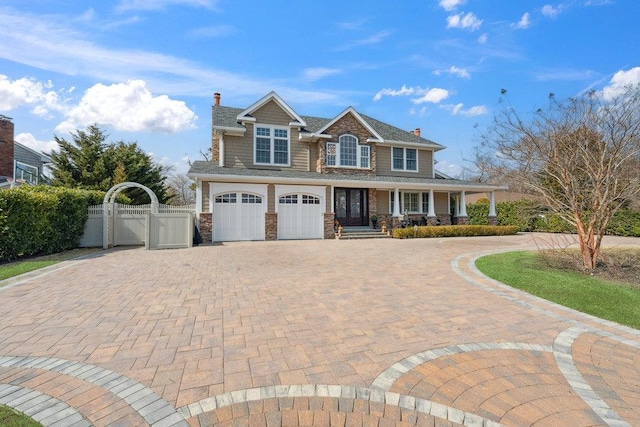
(581,156)
(182,189)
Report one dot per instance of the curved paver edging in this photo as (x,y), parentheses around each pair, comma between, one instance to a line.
(153,408)
(336,391)
(386,379)
(562,353)
(45,409)
(523,298)
(564,341)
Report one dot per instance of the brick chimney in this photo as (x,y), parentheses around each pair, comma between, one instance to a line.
(6,146)
(417,131)
(216,99)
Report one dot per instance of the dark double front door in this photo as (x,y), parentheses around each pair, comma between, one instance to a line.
(351,206)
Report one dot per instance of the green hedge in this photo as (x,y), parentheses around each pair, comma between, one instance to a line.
(625,222)
(529,216)
(42,220)
(454,231)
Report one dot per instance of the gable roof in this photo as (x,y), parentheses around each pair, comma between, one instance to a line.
(230,119)
(246,115)
(358,117)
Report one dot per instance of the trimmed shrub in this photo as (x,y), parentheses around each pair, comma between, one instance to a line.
(453,231)
(42,220)
(625,222)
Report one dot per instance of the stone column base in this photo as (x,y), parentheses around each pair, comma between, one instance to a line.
(432,220)
(493,220)
(462,220)
(206,226)
(271,226)
(329,226)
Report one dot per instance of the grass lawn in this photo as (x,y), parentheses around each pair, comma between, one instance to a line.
(606,299)
(11,418)
(16,268)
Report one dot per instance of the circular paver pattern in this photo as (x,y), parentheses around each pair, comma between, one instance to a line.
(309,333)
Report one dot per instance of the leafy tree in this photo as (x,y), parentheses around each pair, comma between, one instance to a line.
(580,155)
(89,162)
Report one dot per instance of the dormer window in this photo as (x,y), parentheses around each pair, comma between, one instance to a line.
(348,153)
(271,145)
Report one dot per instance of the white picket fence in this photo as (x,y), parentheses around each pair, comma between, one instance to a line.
(172,226)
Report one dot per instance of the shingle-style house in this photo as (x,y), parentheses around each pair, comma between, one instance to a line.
(275,174)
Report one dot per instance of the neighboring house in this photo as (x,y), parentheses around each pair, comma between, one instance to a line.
(276,174)
(19,164)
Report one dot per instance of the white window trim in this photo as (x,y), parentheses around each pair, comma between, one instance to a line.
(358,154)
(272,144)
(404,160)
(402,193)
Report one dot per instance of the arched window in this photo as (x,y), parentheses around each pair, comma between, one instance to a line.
(348,153)
(348,150)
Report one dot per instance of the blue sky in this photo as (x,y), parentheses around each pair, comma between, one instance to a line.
(146,70)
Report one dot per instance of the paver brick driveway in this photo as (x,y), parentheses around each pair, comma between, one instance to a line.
(381,332)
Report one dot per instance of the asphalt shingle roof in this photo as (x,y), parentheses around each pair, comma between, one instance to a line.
(227,117)
(202,167)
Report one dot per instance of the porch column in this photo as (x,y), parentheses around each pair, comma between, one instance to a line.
(396,203)
(432,208)
(463,204)
(493,218)
(462,212)
(456,209)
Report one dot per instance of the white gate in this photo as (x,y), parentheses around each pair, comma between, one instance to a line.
(129,225)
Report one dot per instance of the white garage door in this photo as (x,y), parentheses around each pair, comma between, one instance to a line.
(300,216)
(238,216)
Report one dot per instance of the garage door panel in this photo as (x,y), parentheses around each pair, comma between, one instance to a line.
(300,216)
(238,216)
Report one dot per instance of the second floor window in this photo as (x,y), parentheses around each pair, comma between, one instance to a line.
(271,146)
(348,153)
(405,159)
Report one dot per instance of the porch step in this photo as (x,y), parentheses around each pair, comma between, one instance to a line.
(352,233)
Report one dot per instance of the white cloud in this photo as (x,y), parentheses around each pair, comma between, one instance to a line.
(318,73)
(620,81)
(130,107)
(403,91)
(30,141)
(454,71)
(550,11)
(60,46)
(27,91)
(433,96)
(483,38)
(461,20)
(450,5)
(523,22)
(458,110)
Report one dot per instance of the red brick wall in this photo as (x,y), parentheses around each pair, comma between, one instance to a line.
(6,147)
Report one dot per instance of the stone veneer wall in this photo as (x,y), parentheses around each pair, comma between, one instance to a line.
(346,125)
(373,205)
(271,226)
(215,146)
(206,227)
(329,232)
